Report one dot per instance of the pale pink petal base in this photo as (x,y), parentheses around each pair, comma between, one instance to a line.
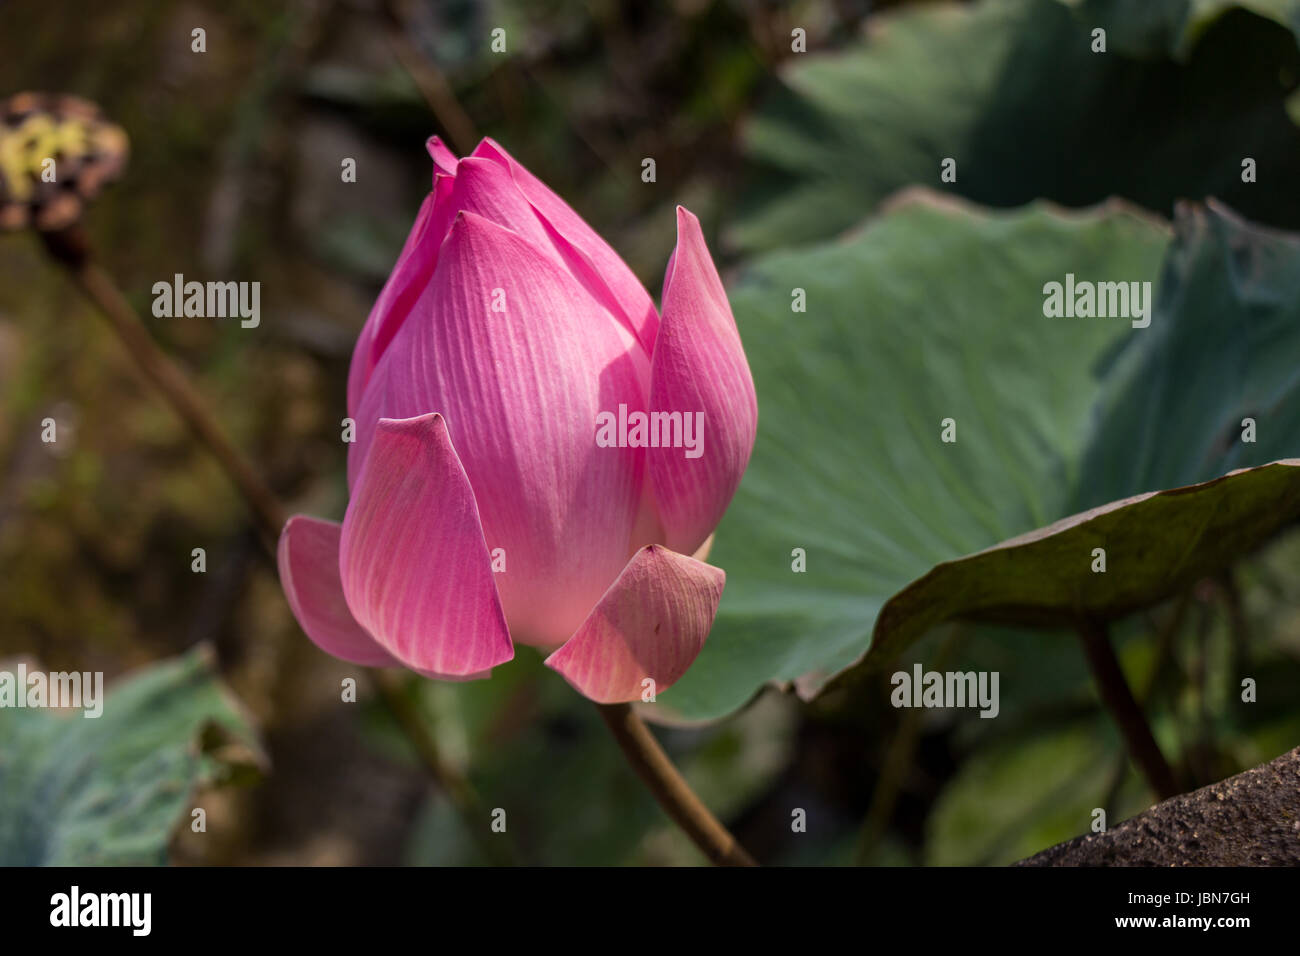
(651,623)
(309,571)
(414,565)
(455,678)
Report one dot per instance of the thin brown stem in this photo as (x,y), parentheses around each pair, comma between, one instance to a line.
(71,248)
(1118,698)
(670,788)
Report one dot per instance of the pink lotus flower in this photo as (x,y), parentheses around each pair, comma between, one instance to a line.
(504,483)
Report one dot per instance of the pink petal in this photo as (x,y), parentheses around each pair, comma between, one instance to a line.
(309,572)
(487,189)
(634,306)
(444,160)
(415,568)
(652,623)
(402,290)
(699,365)
(521,391)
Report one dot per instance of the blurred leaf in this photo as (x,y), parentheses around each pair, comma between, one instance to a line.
(592,808)
(568,797)
(1011,90)
(1172,27)
(930,312)
(1223,346)
(1012,800)
(109,791)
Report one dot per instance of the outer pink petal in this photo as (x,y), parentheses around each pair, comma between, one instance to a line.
(651,623)
(415,568)
(521,390)
(699,365)
(309,571)
(402,290)
(594,260)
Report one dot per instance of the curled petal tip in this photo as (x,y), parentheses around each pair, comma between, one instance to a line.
(443,158)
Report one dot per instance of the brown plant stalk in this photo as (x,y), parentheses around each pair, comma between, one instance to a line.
(1124,708)
(670,788)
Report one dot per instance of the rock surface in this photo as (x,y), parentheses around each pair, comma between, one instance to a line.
(1252,819)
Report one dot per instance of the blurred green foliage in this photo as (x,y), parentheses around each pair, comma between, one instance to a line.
(1012,90)
(109,790)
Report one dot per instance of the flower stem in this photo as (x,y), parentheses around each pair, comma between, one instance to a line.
(1118,698)
(670,788)
(71,248)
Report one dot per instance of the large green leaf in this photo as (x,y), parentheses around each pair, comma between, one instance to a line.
(933,311)
(1221,350)
(110,790)
(1011,90)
